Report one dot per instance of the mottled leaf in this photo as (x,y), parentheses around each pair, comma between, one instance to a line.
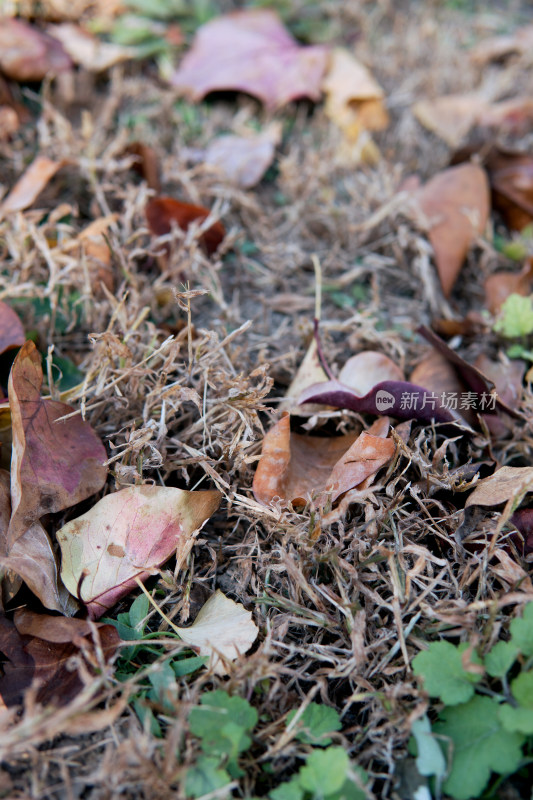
(128,535)
(251,51)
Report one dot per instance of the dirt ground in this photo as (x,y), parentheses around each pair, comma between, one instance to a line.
(342,611)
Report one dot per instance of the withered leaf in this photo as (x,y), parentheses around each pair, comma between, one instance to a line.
(455,204)
(55,464)
(507,482)
(369,367)
(128,535)
(162,212)
(511,180)
(500,285)
(87,50)
(28,54)
(243,160)
(30,185)
(251,51)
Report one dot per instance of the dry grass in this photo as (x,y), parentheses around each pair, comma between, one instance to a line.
(342,612)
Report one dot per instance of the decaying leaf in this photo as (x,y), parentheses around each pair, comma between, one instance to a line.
(11,329)
(497,47)
(455,204)
(243,160)
(251,51)
(89,51)
(309,372)
(163,212)
(40,647)
(354,99)
(223,630)
(28,54)
(297,468)
(511,180)
(54,464)
(128,535)
(507,482)
(30,185)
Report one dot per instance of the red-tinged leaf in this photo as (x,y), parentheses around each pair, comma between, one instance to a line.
(162,212)
(11,329)
(28,54)
(364,370)
(30,185)
(128,535)
(251,51)
(455,204)
(55,464)
(38,648)
(523,520)
(296,468)
(399,399)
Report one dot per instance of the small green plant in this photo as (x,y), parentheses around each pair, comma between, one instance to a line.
(487,719)
(326,775)
(516,318)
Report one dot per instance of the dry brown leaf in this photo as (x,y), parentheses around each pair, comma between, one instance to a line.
(364,370)
(511,179)
(146,164)
(497,47)
(54,464)
(163,212)
(456,205)
(89,51)
(500,285)
(223,630)
(128,535)
(354,99)
(298,468)
(243,160)
(28,54)
(506,483)
(309,372)
(450,117)
(30,185)
(251,51)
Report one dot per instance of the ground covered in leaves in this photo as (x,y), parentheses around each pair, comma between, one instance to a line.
(390,601)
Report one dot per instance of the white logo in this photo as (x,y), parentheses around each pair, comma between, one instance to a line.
(384,400)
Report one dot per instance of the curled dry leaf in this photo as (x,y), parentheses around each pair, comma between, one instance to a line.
(296,468)
(89,51)
(354,99)
(11,329)
(223,631)
(41,647)
(251,51)
(364,370)
(506,483)
(128,535)
(28,54)
(244,159)
(497,47)
(163,212)
(55,464)
(455,204)
(30,185)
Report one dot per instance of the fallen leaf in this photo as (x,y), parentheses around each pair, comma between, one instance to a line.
(500,285)
(497,47)
(162,212)
(251,51)
(507,376)
(309,372)
(243,160)
(28,54)
(364,370)
(511,180)
(89,51)
(523,520)
(54,464)
(128,535)
(146,164)
(223,630)
(296,468)
(354,99)
(456,205)
(507,482)
(11,329)
(435,372)
(30,185)
(38,648)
